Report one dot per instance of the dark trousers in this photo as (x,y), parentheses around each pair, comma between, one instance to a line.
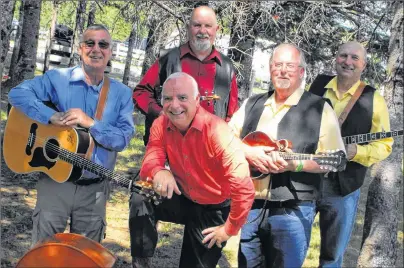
(144,215)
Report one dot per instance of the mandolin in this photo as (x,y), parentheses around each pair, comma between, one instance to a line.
(59,152)
(332,161)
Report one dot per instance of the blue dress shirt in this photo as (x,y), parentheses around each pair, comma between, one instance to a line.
(66,89)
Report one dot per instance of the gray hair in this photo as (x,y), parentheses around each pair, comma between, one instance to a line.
(95,27)
(179,75)
(302,59)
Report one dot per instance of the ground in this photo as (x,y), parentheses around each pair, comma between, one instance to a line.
(18,197)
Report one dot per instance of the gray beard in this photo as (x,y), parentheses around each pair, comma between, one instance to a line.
(283,84)
(201,45)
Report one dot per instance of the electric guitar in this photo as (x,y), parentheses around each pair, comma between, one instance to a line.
(361,138)
(59,152)
(333,161)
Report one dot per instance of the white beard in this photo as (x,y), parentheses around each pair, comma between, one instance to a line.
(201,45)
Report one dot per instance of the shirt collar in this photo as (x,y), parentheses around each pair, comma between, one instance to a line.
(292,100)
(78,75)
(197,123)
(214,55)
(333,85)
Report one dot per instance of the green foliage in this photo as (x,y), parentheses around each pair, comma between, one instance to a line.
(112,18)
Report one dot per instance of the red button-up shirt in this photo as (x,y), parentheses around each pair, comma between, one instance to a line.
(207,163)
(203,72)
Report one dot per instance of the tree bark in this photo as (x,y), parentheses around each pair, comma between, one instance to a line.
(78,30)
(128,62)
(26,62)
(7,12)
(150,55)
(91,13)
(16,49)
(242,44)
(55,10)
(379,242)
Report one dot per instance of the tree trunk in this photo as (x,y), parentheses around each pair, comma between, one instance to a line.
(26,62)
(91,13)
(55,10)
(150,56)
(7,12)
(242,44)
(128,62)
(78,30)
(379,242)
(16,49)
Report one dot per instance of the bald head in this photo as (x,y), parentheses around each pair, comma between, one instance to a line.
(204,11)
(202,29)
(350,61)
(354,45)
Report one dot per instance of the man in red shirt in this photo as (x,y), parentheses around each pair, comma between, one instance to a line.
(213,72)
(207,187)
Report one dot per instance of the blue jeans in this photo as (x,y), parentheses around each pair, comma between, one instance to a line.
(280,238)
(337,218)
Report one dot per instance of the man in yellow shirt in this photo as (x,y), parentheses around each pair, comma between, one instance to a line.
(278,230)
(340,193)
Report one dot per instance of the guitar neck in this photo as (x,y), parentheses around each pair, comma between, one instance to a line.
(361,138)
(297,156)
(92,167)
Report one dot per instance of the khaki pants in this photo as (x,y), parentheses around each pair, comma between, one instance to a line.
(56,202)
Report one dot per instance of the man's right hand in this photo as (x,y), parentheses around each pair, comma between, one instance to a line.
(164,184)
(257,157)
(56,119)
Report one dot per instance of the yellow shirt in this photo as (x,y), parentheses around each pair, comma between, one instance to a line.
(375,151)
(330,137)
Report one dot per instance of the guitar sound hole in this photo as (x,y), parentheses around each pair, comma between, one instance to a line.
(52,149)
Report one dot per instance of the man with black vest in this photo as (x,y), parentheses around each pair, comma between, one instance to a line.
(213,71)
(278,230)
(369,114)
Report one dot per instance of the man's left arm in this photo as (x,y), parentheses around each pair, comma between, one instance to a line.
(116,137)
(233,99)
(378,150)
(237,175)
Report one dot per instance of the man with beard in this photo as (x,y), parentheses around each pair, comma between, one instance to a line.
(75,94)
(207,188)
(212,70)
(278,228)
(341,190)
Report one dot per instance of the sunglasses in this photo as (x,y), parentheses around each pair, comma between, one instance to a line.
(91,44)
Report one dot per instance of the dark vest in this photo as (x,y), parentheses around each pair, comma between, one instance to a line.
(359,121)
(170,63)
(300,125)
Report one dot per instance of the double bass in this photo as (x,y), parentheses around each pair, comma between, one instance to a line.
(67,250)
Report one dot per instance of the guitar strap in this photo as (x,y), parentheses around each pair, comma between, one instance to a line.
(99,112)
(351,103)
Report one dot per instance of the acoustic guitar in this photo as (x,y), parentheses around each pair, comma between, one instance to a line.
(67,250)
(30,146)
(332,160)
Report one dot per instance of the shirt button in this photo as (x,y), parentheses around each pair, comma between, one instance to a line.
(185,157)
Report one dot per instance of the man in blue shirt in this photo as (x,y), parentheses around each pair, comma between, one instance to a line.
(75,93)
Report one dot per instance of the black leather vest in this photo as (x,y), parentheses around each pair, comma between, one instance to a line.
(359,121)
(301,125)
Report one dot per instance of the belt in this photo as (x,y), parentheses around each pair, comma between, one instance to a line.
(259,203)
(88,181)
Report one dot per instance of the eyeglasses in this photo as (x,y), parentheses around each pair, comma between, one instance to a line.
(290,67)
(91,44)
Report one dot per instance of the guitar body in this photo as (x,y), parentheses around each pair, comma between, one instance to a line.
(68,250)
(29,146)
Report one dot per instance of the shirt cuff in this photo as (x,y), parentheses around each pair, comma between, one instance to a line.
(360,153)
(231,229)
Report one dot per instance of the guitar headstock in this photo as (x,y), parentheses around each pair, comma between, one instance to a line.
(332,160)
(145,188)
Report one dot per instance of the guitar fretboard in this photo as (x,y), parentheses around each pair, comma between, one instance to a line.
(92,167)
(362,138)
